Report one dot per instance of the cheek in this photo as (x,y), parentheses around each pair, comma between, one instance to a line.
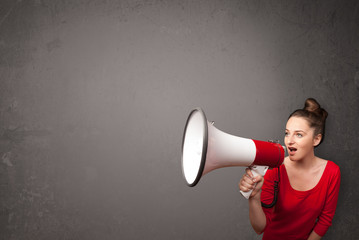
(307,144)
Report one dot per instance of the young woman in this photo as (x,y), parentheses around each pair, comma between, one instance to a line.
(308,185)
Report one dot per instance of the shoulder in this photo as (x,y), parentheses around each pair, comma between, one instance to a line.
(332,167)
(332,170)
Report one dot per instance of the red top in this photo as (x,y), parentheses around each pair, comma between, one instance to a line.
(297,213)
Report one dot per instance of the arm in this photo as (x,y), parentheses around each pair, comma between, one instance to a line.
(331,199)
(256,214)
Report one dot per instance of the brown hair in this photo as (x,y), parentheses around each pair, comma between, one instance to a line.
(314,114)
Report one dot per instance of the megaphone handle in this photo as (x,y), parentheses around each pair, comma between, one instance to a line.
(256,170)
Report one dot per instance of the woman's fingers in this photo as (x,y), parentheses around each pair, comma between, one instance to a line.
(246,183)
(249,173)
(249,182)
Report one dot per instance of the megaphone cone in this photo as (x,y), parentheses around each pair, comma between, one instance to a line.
(206,148)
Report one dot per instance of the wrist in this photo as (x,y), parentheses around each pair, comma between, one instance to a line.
(256,196)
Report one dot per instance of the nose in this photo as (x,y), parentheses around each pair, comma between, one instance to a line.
(291,139)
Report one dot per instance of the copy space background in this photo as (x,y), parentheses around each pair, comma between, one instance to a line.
(94,96)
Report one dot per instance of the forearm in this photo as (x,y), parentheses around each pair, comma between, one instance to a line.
(314,236)
(256,214)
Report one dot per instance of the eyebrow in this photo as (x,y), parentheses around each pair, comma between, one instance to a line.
(297,131)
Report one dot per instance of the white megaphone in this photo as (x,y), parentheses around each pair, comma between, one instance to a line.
(205,148)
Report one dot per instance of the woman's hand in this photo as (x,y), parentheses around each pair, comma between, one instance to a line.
(314,236)
(256,214)
(249,182)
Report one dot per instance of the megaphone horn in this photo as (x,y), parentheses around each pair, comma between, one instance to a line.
(206,148)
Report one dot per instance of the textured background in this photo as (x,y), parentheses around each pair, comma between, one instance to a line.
(94,96)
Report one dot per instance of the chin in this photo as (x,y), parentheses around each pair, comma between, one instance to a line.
(294,158)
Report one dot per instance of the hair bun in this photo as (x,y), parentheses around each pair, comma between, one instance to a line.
(311,105)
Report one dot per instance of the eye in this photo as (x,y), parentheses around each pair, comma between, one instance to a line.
(286,134)
(299,135)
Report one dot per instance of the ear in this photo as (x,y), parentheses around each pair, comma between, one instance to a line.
(317,139)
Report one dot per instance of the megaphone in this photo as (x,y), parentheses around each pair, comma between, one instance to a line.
(206,148)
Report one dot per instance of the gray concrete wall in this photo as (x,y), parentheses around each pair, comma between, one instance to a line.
(94,96)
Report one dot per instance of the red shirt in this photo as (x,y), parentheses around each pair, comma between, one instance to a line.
(297,213)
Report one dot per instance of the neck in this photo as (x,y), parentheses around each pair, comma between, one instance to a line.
(307,162)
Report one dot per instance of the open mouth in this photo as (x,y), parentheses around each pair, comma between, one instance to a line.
(292,149)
